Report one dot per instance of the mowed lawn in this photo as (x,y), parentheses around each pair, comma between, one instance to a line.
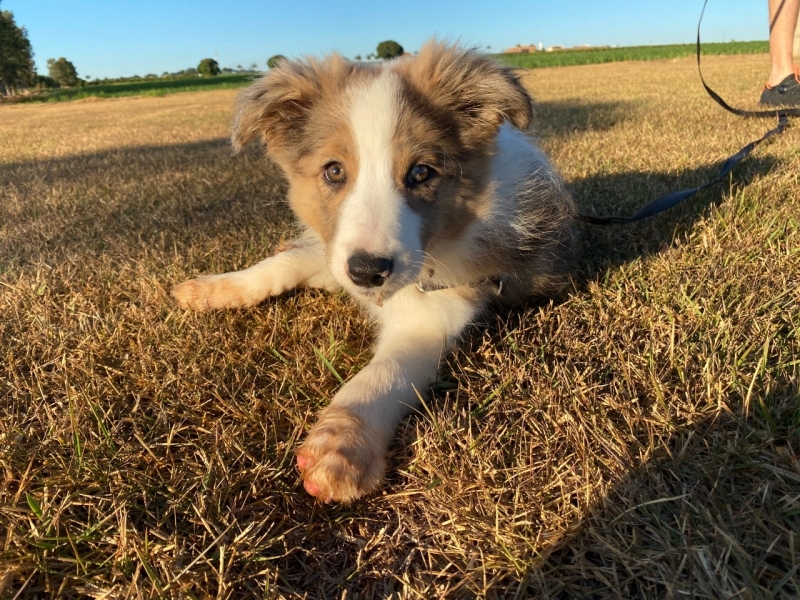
(637,438)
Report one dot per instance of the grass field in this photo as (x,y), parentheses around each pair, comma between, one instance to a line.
(593,56)
(637,438)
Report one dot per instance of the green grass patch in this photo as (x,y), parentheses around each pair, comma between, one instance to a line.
(145,87)
(591,56)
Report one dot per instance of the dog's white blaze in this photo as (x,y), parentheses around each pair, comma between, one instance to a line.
(371,207)
(375,217)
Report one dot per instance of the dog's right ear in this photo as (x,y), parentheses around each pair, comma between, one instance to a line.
(276,106)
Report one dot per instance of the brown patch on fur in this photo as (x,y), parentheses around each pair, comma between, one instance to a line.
(477,93)
(312,198)
(453,103)
(300,109)
(278,105)
(455,100)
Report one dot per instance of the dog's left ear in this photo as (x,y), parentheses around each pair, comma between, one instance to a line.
(474,87)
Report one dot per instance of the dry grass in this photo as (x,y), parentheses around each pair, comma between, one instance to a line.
(640,438)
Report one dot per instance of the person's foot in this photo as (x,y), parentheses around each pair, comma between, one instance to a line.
(786,93)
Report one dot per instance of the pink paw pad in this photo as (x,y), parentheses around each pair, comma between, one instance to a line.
(304,462)
(311,488)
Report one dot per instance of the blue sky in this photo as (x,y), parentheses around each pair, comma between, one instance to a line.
(112,38)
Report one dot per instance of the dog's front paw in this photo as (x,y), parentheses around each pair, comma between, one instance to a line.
(212,292)
(341,459)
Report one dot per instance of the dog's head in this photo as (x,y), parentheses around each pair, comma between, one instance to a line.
(383,160)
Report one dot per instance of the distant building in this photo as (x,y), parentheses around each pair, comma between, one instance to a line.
(521,49)
(553,48)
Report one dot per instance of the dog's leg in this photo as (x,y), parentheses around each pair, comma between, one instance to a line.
(301,264)
(343,456)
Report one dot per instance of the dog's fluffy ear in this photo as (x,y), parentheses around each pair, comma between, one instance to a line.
(476,88)
(276,106)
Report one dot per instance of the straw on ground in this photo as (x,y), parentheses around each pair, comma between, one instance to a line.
(637,438)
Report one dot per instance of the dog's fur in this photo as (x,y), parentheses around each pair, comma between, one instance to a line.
(492,209)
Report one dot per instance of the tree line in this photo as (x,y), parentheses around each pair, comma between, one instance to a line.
(16,56)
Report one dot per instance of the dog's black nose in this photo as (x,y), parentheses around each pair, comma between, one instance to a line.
(367,270)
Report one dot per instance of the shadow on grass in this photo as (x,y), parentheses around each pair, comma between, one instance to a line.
(726,522)
(199,189)
(557,119)
(119,199)
(94,165)
(607,247)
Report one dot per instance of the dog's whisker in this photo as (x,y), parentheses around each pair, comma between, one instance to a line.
(439,266)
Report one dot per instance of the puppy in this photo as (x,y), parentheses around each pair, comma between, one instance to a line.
(421,196)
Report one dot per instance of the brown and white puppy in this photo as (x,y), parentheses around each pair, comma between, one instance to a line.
(421,197)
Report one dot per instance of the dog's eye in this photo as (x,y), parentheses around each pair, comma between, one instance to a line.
(419,174)
(334,173)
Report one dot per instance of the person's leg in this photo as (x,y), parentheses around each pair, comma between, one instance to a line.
(782,22)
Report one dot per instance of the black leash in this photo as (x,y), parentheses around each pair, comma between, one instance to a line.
(669,200)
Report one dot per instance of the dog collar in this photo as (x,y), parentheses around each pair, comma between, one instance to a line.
(498,283)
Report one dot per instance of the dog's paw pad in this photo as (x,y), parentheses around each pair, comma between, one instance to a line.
(340,459)
(313,490)
(304,462)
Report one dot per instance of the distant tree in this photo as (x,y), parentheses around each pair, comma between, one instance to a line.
(389,49)
(253,67)
(43,82)
(274,61)
(208,67)
(62,71)
(358,57)
(16,56)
